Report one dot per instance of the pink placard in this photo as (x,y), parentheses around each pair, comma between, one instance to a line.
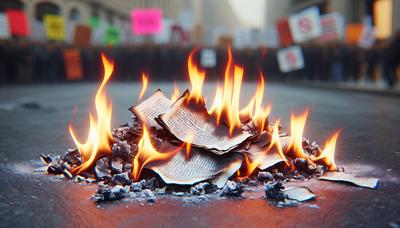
(146,21)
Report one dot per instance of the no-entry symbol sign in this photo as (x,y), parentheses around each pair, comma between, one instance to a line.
(305,25)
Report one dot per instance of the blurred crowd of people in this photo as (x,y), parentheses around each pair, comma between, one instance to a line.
(33,62)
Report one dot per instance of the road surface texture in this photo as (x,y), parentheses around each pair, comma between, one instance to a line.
(34,120)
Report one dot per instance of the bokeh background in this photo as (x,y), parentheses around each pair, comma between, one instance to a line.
(336,42)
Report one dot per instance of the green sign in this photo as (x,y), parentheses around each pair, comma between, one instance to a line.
(112,36)
(94,22)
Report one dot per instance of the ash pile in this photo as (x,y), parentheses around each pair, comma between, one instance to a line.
(177,148)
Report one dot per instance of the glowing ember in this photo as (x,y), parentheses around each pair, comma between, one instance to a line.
(328,154)
(297,124)
(99,138)
(145,82)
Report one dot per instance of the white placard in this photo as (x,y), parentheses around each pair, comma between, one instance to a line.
(290,59)
(333,27)
(208,58)
(4,29)
(305,25)
(367,37)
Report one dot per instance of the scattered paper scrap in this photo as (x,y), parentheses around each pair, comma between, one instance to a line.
(299,193)
(366,182)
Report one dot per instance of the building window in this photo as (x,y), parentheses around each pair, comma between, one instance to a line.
(74,15)
(11,4)
(44,8)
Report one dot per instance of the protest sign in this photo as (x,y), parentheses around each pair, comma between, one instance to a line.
(305,25)
(18,22)
(73,64)
(290,59)
(285,36)
(54,27)
(146,21)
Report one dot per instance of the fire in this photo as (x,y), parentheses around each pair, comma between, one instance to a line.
(196,77)
(226,101)
(252,165)
(145,82)
(188,142)
(275,142)
(175,94)
(99,138)
(147,153)
(328,154)
(297,124)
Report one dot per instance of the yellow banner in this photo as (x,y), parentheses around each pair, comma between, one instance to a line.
(55,27)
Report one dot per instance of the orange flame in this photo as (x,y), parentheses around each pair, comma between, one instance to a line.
(252,165)
(296,129)
(188,142)
(328,154)
(145,82)
(147,153)
(196,77)
(275,142)
(99,138)
(175,94)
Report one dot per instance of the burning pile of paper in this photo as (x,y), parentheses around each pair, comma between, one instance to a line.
(180,147)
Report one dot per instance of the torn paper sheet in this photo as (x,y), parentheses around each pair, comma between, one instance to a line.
(150,108)
(366,182)
(191,122)
(198,167)
(298,193)
(266,159)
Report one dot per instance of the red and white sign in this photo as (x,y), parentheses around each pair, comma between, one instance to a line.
(18,22)
(146,21)
(290,59)
(305,25)
(332,27)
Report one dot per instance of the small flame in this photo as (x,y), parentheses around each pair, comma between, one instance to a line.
(252,165)
(275,142)
(147,153)
(328,154)
(175,94)
(196,77)
(217,100)
(296,129)
(188,143)
(99,138)
(145,82)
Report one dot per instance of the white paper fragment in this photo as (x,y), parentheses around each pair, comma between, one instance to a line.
(151,107)
(366,182)
(200,166)
(299,193)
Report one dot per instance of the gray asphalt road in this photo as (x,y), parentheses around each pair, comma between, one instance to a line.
(369,144)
